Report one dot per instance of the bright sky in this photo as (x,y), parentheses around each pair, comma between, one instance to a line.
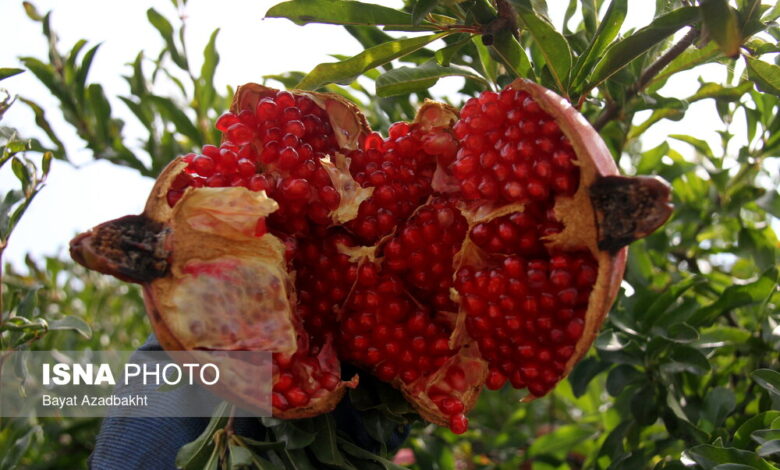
(76,199)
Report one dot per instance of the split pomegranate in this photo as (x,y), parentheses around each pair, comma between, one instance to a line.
(463,250)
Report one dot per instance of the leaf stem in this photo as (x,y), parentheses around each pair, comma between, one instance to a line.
(612,110)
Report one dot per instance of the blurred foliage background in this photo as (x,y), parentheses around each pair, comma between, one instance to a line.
(685,371)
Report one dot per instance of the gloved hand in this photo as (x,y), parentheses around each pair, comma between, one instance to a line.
(152,443)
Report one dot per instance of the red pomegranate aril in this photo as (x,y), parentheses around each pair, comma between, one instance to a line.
(239,133)
(459,423)
(297,397)
(203,165)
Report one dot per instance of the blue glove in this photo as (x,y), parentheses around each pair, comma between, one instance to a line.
(152,443)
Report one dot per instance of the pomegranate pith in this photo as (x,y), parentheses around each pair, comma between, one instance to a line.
(460,251)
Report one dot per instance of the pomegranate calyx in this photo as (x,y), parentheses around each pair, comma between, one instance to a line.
(628,208)
(131,248)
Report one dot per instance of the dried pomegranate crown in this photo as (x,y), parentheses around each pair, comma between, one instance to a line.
(460,251)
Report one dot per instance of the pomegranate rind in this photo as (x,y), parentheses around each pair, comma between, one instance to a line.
(232,285)
(349,127)
(418,393)
(577,213)
(212,232)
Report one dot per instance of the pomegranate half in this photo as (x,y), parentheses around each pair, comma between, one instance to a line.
(464,250)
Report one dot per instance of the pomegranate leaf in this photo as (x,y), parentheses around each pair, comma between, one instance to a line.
(165,29)
(347,70)
(560,441)
(173,113)
(769,380)
(584,372)
(325,446)
(302,12)
(204,85)
(769,448)
(363,454)
(6,72)
(552,44)
(766,76)
(512,55)
(719,403)
(404,80)
(709,456)
(721,24)
(199,452)
(421,9)
(43,123)
(81,73)
(607,31)
(742,437)
(624,51)
(72,323)
(738,296)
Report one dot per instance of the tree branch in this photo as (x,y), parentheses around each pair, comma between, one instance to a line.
(613,109)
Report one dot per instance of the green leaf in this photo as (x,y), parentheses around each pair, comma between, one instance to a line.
(101,111)
(686,359)
(718,405)
(763,436)
(197,453)
(742,437)
(768,379)
(633,46)
(709,456)
(766,76)
(165,29)
(404,80)
(46,163)
(733,466)
(620,377)
(421,9)
(43,123)
(173,113)
(584,372)
(685,61)
(363,454)
(302,12)
(722,25)
(240,457)
(21,172)
(714,90)
(607,31)
(769,448)
(32,12)
(293,435)
(561,440)
(665,300)
(552,45)
(19,448)
(9,72)
(210,61)
(643,405)
(72,323)
(489,65)
(325,446)
(512,55)
(82,72)
(347,70)
(738,296)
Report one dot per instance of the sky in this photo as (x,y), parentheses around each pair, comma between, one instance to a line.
(78,197)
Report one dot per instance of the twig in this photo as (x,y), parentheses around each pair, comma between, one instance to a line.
(612,110)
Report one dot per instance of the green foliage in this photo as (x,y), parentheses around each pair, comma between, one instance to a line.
(683,373)
(175,124)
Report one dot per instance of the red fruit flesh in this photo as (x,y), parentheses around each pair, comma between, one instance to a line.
(456,253)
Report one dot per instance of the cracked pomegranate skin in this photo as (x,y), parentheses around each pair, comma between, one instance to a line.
(464,250)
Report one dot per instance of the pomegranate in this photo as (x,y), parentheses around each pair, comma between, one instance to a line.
(463,250)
